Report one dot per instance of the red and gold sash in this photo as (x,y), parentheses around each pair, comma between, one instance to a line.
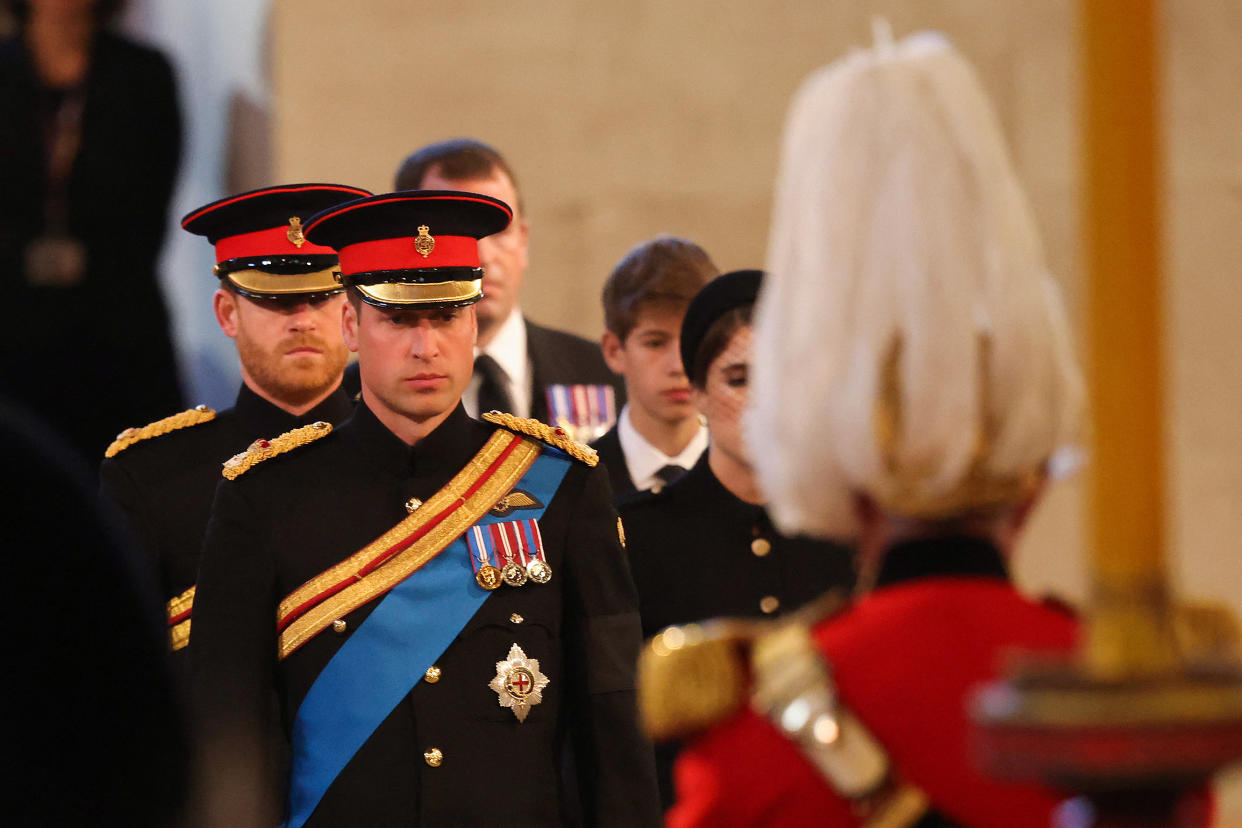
(406,547)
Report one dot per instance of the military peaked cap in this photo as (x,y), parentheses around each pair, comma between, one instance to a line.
(261,250)
(415,248)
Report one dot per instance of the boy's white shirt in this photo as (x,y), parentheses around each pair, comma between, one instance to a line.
(643,460)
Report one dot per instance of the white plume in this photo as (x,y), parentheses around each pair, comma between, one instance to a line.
(898,217)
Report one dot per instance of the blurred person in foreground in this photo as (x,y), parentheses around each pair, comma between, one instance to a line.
(704,545)
(90,140)
(659,433)
(913,384)
(279,302)
(92,729)
(521,367)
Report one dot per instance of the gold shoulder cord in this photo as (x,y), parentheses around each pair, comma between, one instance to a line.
(261,450)
(552,435)
(192,417)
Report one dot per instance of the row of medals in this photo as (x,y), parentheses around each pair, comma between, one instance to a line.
(513,574)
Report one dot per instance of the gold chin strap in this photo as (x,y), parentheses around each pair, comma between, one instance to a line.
(279,284)
(406,293)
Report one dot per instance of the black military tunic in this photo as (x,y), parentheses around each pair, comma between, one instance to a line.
(291,517)
(698,552)
(163,486)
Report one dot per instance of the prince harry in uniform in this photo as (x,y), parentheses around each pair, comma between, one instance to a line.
(281,306)
(441,605)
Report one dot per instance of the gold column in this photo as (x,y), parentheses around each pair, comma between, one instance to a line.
(1135,722)
(1129,630)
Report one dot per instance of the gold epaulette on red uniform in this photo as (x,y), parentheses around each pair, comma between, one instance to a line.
(261,450)
(554,436)
(184,419)
(692,677)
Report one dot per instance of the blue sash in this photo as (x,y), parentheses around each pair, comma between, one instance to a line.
(388,655)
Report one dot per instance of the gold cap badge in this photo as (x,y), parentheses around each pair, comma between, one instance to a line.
(424,243)
(294,233)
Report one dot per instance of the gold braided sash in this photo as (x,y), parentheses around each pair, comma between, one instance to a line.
(179,610)
(406,547)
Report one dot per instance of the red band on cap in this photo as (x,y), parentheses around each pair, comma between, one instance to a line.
(273,242)
(401,254)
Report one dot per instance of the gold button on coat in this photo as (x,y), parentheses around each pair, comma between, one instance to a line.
(769,604)
(761,547)
(434,757)
(432,675)
(339,626)
(516,619)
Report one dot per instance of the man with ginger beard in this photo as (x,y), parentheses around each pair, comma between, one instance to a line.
(281,304)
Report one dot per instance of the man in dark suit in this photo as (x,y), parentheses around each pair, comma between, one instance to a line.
(280,304)
(522,367)
(458,620)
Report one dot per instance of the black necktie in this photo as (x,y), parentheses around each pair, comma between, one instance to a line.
(667,474)
(493,394)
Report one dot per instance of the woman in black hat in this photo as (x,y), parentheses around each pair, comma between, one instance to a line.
(703,546)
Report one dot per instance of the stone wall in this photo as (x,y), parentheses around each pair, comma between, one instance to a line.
(624,120)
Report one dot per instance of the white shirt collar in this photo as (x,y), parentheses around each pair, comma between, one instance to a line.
(643,460)
(508,348)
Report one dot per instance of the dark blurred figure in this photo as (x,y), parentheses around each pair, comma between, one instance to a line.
(90,137)
(91,731)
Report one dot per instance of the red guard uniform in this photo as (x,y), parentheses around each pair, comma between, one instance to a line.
(904,660)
